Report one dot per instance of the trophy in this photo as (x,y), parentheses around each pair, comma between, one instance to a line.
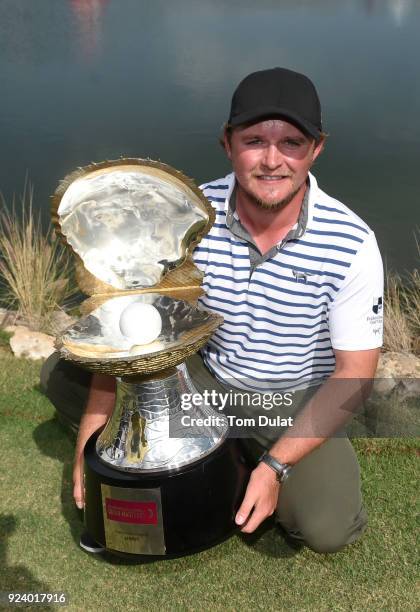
(154,487)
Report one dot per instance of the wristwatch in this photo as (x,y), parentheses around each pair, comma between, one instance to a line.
(282,469)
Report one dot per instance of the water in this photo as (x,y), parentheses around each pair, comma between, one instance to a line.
(86,80)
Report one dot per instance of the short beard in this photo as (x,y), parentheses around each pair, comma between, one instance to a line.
(275,205)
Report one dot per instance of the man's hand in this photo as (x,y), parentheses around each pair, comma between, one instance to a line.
(261,498)
(98,410)
(78,485)
(327,412)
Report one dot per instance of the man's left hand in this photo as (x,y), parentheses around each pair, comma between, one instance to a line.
(260,499)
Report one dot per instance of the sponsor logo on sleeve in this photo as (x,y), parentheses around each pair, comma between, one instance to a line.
(377,306)
(377,309)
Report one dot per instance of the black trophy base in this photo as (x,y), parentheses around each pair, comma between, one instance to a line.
(164,514)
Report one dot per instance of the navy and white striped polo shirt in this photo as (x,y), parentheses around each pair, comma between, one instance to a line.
(320,291)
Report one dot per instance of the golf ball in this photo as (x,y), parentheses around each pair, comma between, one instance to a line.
(141,323)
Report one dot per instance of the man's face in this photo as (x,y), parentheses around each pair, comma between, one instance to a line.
(271,160)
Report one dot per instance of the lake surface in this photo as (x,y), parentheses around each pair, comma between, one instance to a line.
(87,80)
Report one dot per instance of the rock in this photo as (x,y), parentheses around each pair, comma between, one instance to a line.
(9,317)
(410,387)
(399,372)
(60,320)
(400,365)
(384,386)
(10,329)
(31,344)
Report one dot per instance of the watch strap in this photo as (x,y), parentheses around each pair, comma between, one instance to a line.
(282,469)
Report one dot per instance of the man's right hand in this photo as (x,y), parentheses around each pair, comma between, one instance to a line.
(98,410)
(78,485)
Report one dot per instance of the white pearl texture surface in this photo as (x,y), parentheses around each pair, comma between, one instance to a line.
(141,323)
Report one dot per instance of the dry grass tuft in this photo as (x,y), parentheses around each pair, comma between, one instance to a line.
(412,297)
(35,270)
(397,331)
(402,311)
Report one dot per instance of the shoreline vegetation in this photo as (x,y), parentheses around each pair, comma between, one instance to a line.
(37,277)
(402,310)
(36,272)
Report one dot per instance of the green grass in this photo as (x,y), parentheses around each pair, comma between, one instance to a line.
(40,528)
(4,338)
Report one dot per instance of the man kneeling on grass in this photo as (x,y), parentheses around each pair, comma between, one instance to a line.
(298,279)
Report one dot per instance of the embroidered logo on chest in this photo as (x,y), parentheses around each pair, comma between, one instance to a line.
(301,277)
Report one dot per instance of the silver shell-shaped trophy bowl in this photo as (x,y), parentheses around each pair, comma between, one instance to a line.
(132,225)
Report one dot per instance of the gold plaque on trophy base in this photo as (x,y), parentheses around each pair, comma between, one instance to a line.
(133,520)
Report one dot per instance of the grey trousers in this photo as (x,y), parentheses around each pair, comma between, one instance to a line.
(320,504)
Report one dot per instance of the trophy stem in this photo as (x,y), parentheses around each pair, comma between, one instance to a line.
(147,430)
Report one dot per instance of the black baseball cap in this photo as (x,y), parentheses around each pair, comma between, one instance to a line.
(277,92)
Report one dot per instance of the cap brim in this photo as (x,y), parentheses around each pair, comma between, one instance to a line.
(271,112)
